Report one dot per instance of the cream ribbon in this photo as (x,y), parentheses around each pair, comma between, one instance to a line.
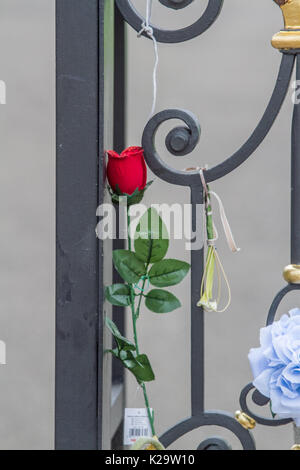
(227,229)
(213,306)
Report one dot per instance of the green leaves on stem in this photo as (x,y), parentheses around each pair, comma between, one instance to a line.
(151,238)
(168,272)
(146,265)
(122,343)
(137,364)
(130,268)
(161,301)
(118,295)
(151,246)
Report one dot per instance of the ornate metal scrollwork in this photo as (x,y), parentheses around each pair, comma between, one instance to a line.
(259,400)
(132,16)
(181,141)
(176,4)
(214,443)
(210,418)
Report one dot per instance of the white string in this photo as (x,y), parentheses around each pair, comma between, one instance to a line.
(146,28)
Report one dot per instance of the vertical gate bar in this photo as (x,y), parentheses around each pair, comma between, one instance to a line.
(106,131)
(120,83)
(118,374)
(119,145)
(295,177)
(197,314)
(84,127)
(77,301)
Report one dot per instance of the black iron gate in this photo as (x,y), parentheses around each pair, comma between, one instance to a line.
(88,407)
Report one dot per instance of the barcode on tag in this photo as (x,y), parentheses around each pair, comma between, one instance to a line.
(136,425)
(138,432)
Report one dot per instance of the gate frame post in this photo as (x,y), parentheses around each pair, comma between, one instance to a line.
(85,417)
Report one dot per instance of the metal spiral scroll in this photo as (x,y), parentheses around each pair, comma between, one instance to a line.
(256,396)
(182,140)
(134,19)
(176,4)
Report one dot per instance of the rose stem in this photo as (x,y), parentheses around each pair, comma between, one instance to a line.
(135,316)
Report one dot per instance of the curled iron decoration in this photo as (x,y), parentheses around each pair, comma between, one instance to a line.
(278,299)
(259,400)
(210,418)
(134,19)
(183,140)
(256,396)
(180,141)
(214,443)
(176,4)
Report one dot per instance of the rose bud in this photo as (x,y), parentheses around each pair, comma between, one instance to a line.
(127,172)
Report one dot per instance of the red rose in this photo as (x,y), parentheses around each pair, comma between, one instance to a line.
(128,171)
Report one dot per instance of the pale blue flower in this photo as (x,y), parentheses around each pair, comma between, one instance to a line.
(276,365)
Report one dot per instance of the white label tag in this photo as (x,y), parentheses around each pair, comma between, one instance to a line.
(136,425)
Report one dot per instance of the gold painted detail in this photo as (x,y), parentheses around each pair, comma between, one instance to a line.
(289,38)
(296,447)
(245,420)
(291,274)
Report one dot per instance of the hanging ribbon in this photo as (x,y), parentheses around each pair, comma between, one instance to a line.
(146,28)
(213,263)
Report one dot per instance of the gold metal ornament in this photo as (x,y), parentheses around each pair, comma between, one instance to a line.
(289,37)
(245,420)
(296,447)
(291,274)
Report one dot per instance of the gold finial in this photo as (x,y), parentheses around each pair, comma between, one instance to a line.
(289,38)
(291,274)
(296,447)
(245,420)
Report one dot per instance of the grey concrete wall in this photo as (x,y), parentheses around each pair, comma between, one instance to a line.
(27,179)
(226,78)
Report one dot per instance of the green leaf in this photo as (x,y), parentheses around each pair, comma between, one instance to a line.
(151,238)
(168,272)
(128,359)
(139,366)
(114,352)
(134,198)
(137,197)
(130,268)
(123,343)
(118,294)
(142,370)
(161,301)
